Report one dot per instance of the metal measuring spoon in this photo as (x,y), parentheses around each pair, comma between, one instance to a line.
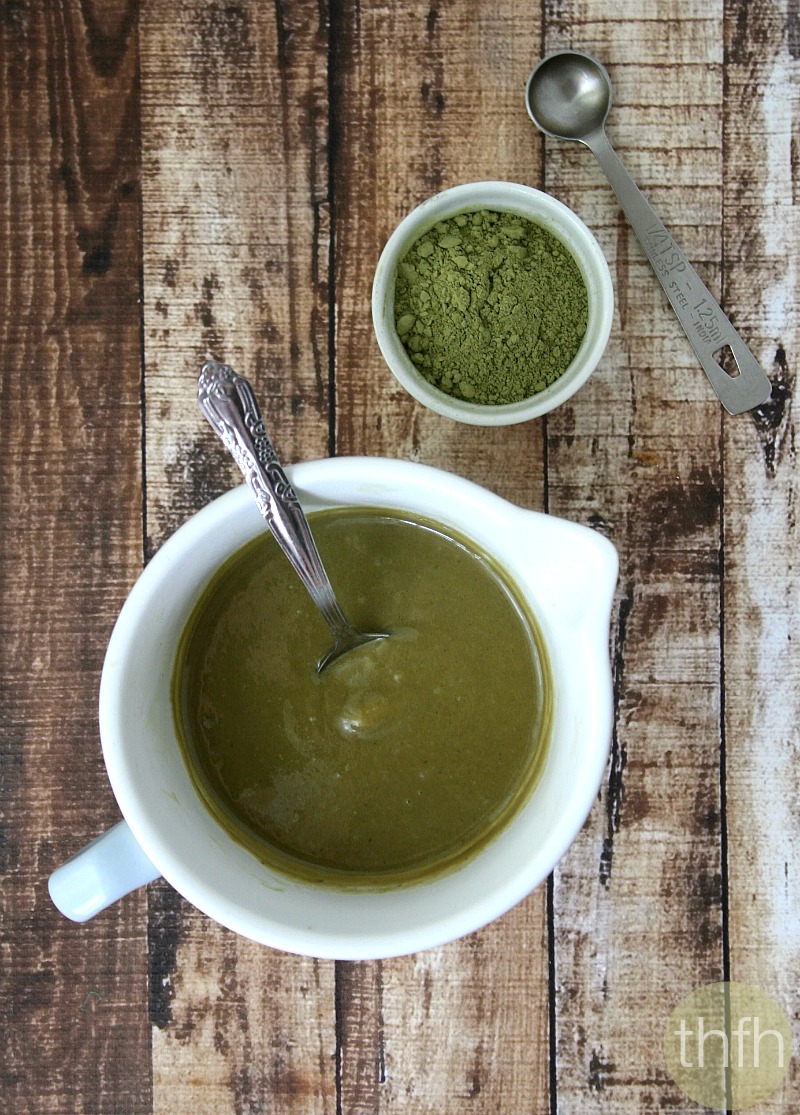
(568,96)
(228,402)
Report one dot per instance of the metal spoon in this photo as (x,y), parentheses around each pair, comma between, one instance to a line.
(568,96)
(228,402)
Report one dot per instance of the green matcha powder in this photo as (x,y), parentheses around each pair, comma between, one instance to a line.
(490,307)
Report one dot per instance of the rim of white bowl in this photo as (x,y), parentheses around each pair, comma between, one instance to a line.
(558,219)
(320,479)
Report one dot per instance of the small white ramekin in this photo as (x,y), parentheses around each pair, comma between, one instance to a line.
(546,211)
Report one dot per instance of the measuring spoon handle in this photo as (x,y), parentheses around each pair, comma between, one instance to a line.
(228,402)
(703,321)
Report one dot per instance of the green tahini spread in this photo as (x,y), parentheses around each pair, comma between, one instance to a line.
(490,307)
(400,760)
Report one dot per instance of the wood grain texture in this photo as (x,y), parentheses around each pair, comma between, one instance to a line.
(74,1035)
(478,1011)
(236,256)
(236,233)
(404,124)
(219,178)
(638,899)
(761,603)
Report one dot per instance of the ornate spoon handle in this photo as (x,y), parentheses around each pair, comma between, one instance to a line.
(228,402)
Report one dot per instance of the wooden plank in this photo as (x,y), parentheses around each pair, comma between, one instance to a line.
(236,247)
(72,1002)
(464,1025)
(236,228)
(762,708)
(427,96)
(406,122)
(236,233)
(638,899)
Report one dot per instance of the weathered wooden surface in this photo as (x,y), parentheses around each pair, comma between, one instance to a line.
(761,605)
(638,899)
(482,1003)
(235,223)
(75,1031)
(220,178)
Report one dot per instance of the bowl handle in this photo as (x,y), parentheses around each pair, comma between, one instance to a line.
(105,870)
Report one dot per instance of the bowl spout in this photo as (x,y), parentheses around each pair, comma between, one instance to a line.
(575,570)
